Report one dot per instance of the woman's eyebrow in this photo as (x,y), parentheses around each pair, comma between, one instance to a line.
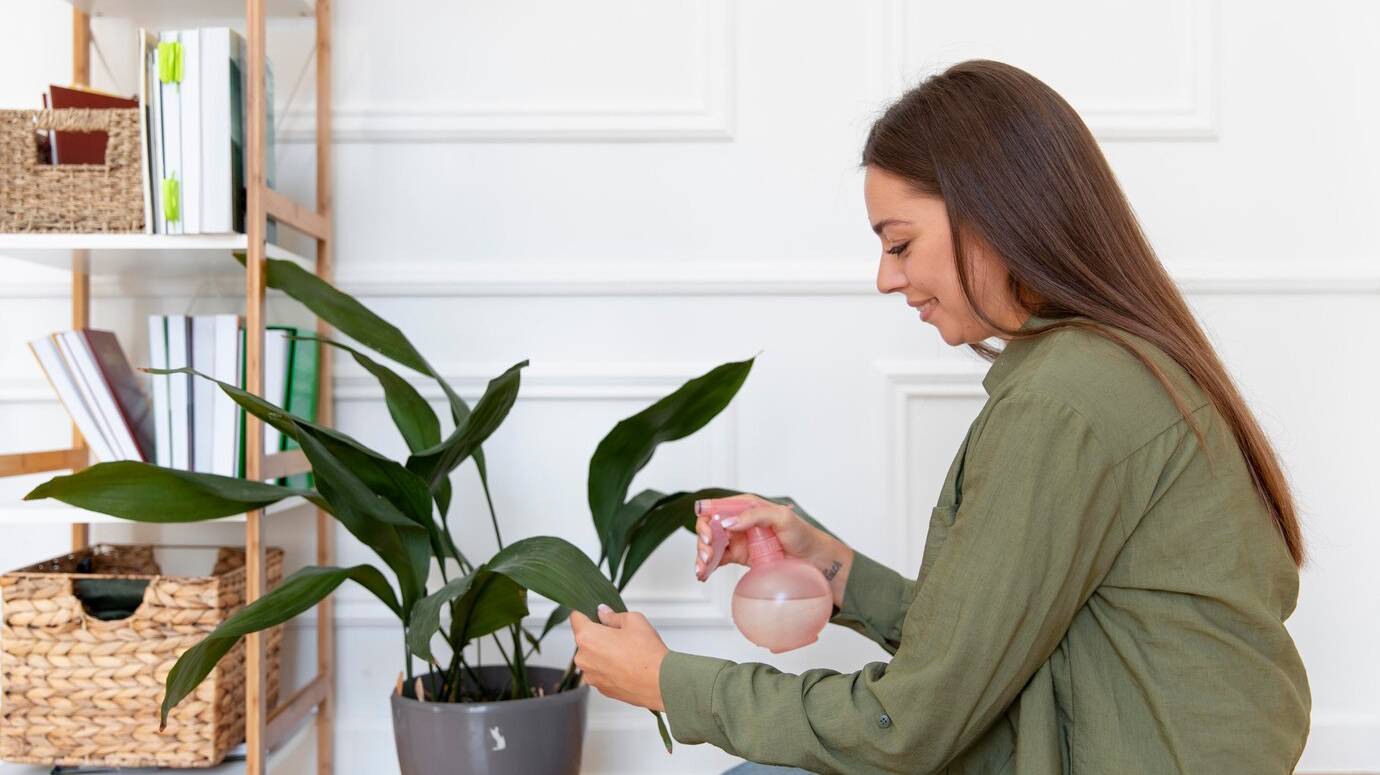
(882,224)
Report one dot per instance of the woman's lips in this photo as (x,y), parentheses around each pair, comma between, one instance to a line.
(927,309)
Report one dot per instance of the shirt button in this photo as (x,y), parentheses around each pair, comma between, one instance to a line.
(885,720)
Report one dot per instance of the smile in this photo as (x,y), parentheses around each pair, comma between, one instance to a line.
(926,308)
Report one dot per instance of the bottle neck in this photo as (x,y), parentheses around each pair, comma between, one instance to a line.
(763,546)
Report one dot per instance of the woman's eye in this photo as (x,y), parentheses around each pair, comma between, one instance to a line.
(896,251)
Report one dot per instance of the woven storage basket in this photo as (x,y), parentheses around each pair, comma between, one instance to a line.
(71,197)
(80,690)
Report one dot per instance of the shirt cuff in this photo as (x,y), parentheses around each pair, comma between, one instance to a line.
(687,690)
(874,599)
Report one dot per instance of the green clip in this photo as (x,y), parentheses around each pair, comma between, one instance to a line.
(170,62)
(170,199)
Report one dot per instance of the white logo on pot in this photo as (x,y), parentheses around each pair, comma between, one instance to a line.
(499,743)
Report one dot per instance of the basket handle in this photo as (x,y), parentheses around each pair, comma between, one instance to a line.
(60,120)
(110,599)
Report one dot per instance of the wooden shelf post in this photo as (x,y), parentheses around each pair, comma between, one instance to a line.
(256,224)
(325,536)
(81,259)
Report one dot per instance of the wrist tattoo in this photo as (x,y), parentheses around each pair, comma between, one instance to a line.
(833,570)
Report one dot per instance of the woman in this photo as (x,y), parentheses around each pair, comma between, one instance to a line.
(1115,548)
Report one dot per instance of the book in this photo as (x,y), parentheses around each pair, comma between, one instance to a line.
(87,378)
(112,391)
(55,368)
(224,437)
(123,391)
(180,391)
(149,128)
(160,383)
(171,62)
(189,120)
(82,147)
(203,359)
(303,361)
(219,91)
(276,346)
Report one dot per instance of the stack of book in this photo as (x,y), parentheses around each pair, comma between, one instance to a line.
(193,90)
(197,426)
(106,400)
(190,423)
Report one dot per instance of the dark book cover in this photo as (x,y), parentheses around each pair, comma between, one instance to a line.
(125,386)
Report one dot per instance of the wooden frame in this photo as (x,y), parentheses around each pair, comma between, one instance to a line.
(265,728)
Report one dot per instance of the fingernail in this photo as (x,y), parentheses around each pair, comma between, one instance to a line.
(730,522)
(704,555)
(604,608)
(706,537)
(699,506)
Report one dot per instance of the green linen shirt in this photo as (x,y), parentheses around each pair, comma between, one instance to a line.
(1096,595)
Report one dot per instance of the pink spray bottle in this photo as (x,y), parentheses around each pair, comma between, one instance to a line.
(781,603)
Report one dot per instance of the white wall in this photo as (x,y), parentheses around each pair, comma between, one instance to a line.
(630,193)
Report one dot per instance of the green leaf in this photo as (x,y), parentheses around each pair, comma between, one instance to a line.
(678,510)
(436,463)
(628,447)
(661,727)
(624,522)
(276,416)
(343,312)
(659,522)
(558,570)
(397,539)
(296,594)
(488,602)
(412,415)
(558,614)
(346,314)
(144,492)
(365,488)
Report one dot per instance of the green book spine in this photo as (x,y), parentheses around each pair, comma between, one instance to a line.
(303,361)
(240,418)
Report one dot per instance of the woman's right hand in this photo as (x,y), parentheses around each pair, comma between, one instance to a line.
(738,513)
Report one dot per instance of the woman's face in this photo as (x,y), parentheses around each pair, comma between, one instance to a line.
(918,262)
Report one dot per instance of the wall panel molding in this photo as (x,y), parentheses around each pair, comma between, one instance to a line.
(1191,115)
(709,118)
(908,382)
(749,277)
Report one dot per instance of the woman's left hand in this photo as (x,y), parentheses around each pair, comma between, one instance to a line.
(620,655)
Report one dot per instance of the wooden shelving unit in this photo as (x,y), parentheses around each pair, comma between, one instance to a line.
(281,729)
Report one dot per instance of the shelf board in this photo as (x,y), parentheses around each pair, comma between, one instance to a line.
(295,756)
(57,513)
(187,13)
(164,254)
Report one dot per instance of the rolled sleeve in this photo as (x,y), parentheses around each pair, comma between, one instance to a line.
(875,601)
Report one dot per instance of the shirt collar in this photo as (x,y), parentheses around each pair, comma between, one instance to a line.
(1013,354)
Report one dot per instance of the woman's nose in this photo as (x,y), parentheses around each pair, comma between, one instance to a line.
(889,278)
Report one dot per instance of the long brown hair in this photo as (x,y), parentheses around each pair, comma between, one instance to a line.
(1021,174)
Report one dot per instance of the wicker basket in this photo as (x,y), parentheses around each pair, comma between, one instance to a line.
(82,690)
(38,197)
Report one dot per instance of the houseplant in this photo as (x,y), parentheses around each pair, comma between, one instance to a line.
(400,510)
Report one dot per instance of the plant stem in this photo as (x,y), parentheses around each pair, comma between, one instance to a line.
(569,673)
(493,517)
(512,668)
(521,663)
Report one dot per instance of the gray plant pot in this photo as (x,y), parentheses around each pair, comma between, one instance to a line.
(505,737)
